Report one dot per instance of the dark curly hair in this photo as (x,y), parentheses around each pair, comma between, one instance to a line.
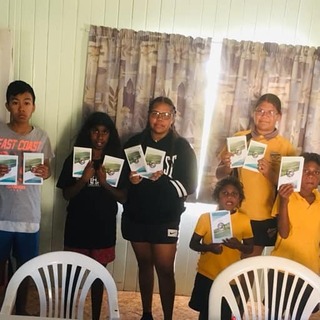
(113,147)
(311,157)
(230,180)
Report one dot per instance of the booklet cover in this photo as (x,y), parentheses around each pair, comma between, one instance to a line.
(154,159)
(291,169)
(221,227)
(12,176)
(136,159)
(255,152)
(113,167)
(238,147)
(81,157)
(30,162)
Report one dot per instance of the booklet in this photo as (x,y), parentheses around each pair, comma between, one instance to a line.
(30,162)
(154,159)
(291,169)
(238,147)
(81,157)
(221,227)
(255,152)
(12,176)
(113,167)
(136,159)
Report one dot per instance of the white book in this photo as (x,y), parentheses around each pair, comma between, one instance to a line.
(11,177)
(30,162)
(154,159)
(256,151)
(221,226)
(136,159)
(81,157)
(291,169)
(238,147)
(113,167)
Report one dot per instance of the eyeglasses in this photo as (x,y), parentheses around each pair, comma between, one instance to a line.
(311,172)
(160,115)
(269,113)
(230,194)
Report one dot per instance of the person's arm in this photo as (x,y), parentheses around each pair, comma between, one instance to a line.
(246,246)
(283,221)
(223,168)
(119,195)
(72,190)
(196,244)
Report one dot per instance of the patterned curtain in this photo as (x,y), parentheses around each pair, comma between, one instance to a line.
(126,69)
(250,69)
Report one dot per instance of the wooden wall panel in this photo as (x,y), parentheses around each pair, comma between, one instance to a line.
(49,51)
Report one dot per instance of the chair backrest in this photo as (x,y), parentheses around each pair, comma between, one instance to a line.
(256,278)
(62,279)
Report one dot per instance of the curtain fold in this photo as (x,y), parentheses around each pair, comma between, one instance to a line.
(127,68)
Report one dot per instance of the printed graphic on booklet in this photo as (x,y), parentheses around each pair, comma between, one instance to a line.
(238,147)
(255,152)
(221,227)
(30,162)
(291,169)
(113,167)
(145,164)
(81,157)
(11,177)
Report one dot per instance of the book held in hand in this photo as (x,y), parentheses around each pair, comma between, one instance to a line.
(238,147)
(154,159)
(30,162)
(81,157)
(255,152)
(291,169)
(12,162)
(221,226)
(113,167)
(136,159)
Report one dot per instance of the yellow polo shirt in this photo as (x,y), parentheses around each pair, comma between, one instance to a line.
(259,191)
(211,264)
(302,244)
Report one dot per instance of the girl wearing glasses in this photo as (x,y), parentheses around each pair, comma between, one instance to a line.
(260,187)
(215,257)
(151,216)
(90,226)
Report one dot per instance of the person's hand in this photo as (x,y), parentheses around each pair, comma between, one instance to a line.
(134,177)
(4,169)
(232,243)
(101,175)
(285,191)
(264,166)
(88,172)
(215,248)
(41,170)
(156,175)
(226,159)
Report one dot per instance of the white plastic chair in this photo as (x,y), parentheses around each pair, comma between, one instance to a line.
(50,273)
(259,300)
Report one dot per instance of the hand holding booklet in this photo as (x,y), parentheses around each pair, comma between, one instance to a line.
(255,152)
(81,157)
(145,164)
(113,167)
(221,227)
(30,162)
(11,177)
(238,147)
(291,169)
